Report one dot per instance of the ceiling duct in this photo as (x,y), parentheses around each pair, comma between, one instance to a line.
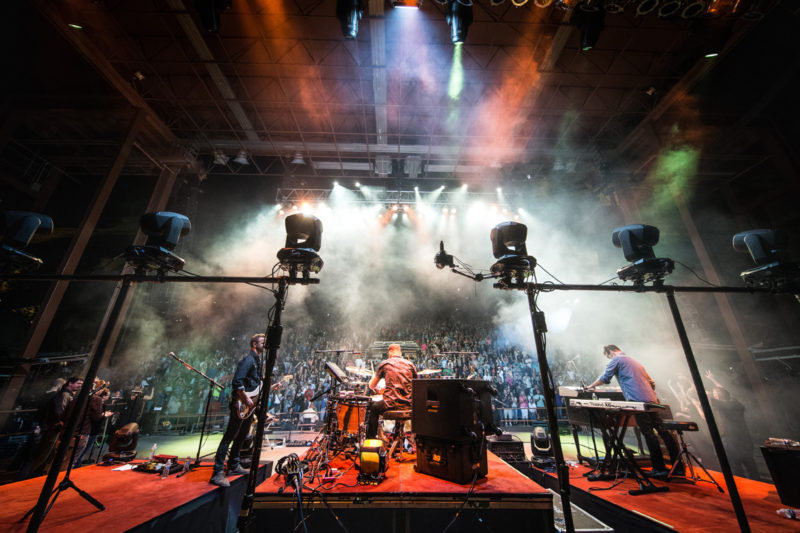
(412,165)
(383,165)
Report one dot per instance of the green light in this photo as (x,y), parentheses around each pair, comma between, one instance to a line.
(76,26)
(711,54)
(456,74)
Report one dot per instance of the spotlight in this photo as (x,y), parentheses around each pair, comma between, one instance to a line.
(18,230)
(694,9)
(209,11)
(637,243)
(241,158)
(303,241)
(163,230)
(407,3)
(764,246)
(590,22)
(459,18)
(669,8)
(298,159)
(220,158)
(616,7)
(508,247)
(646,6)
(349,12)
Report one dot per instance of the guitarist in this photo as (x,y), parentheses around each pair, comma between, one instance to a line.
(246,378)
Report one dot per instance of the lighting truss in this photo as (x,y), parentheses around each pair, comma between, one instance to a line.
(444,198)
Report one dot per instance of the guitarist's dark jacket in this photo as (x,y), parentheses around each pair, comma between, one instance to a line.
(248,374)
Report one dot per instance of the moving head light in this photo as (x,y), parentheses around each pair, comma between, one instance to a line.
(163,230)
(508,247)
(303,241)
(637,241)
(18,230)
(764,246)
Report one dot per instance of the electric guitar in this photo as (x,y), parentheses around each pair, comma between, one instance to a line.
(243,411)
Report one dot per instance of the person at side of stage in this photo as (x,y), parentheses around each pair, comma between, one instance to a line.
(397,373)
(56,416)
(96,416)
(246,378)
(638,386)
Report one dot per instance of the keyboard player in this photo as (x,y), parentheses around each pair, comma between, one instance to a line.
(638,386)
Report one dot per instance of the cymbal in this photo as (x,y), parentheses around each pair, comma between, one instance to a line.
(357,383)
(428,372)
(359,371)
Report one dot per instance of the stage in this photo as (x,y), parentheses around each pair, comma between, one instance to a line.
(134,501)
(686,507)
(410,501)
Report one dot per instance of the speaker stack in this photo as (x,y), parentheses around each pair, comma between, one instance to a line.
(451,418)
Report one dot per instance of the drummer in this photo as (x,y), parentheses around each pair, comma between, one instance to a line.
(397,374)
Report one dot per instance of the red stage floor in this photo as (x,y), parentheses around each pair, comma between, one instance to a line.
(698,507)
(402,480)
(131,498)
(406,500)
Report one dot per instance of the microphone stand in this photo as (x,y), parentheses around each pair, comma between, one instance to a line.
(211,385)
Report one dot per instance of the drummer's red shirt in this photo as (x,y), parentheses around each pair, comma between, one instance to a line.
(398,373)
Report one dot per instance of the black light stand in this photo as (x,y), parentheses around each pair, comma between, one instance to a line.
(211,385)
(273,342)
(548,391)
(719,448)
(67,483)
(42,508)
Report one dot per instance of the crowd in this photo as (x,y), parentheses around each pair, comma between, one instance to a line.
(300,369)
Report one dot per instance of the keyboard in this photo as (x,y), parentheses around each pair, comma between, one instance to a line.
(615,405)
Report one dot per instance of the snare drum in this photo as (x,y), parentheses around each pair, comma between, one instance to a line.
(350,414)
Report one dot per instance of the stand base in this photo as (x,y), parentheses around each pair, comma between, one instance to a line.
(649,488)
(65,484)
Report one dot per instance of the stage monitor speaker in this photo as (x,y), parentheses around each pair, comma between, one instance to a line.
(784,467)
(456,461)
(507,447)
(452,409)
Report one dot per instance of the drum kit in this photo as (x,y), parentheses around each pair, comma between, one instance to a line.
(346,413)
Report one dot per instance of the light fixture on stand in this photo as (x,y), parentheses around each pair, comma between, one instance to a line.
(772,271)
(18,230)
(512,268)
(637,241)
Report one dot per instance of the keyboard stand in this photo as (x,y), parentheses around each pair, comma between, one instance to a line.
(613,424)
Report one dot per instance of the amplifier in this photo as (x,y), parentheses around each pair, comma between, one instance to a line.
(452,409)
(507,447)
(456,461)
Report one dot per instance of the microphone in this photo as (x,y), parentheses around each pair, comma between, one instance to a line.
(443,259)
